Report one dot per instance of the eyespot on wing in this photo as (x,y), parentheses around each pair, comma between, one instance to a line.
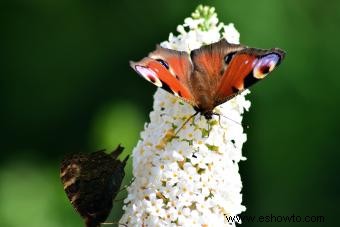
(147,74)
(266,64)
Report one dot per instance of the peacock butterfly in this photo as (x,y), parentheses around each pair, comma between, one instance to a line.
(91,182)
(208,76)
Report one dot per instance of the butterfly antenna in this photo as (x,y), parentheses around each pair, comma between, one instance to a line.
(118,200)
(236,122)
(113,223)
(185,122)
(124,188)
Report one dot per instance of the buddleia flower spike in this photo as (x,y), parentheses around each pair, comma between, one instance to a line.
(191,179)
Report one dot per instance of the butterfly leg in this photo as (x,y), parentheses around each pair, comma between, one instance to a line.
(219,119)
(207,131)
(185,122)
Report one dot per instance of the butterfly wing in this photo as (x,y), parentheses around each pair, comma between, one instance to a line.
(91,182)
(210,62)
(245,68)
(168,69)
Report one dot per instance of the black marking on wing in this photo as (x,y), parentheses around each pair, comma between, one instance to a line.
(228,57)
(164,63)
(234,89)
(166,87)
(250,80)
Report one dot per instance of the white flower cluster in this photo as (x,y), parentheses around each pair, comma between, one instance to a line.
(201,29)
(191,179)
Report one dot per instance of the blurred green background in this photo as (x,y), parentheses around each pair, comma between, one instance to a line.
(66,86)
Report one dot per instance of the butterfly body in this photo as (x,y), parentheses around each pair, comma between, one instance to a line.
(208,76)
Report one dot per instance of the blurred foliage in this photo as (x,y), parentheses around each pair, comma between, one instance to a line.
(66,87)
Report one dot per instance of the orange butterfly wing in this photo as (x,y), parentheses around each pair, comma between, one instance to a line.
(209,59)
(246,68)
(168,69)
